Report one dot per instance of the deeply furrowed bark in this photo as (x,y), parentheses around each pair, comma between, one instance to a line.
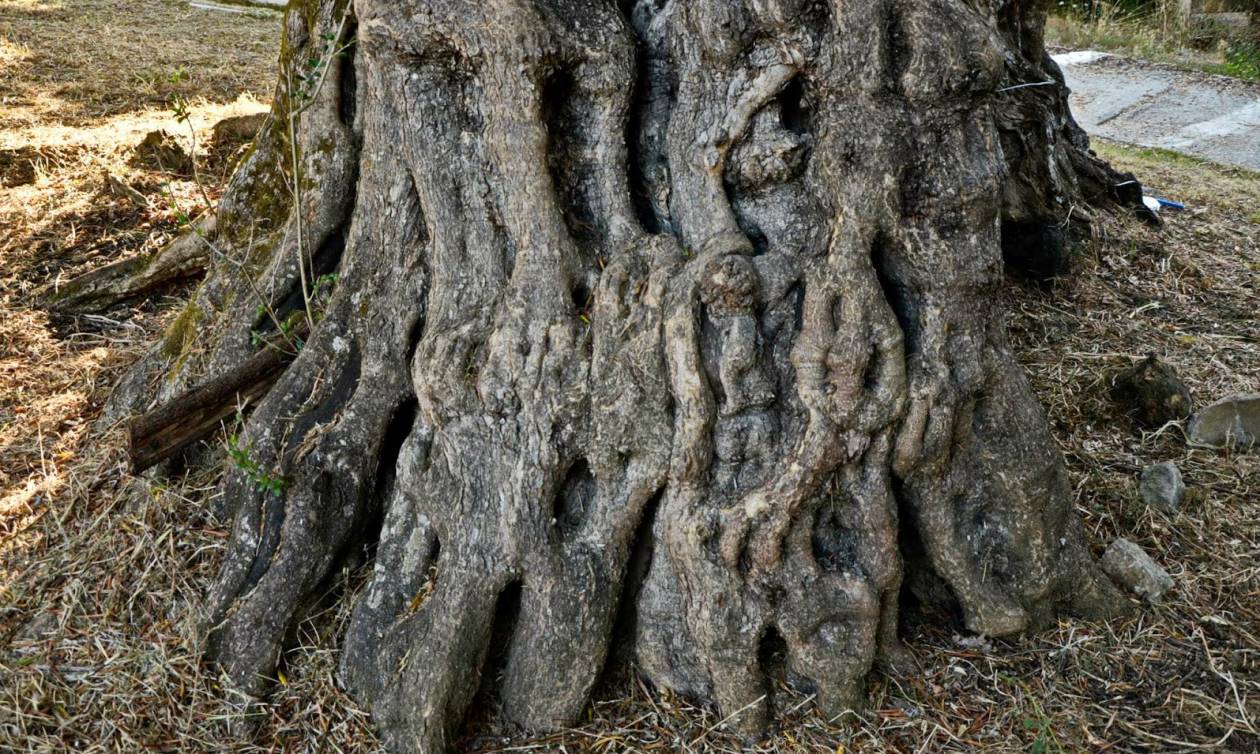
(703,287)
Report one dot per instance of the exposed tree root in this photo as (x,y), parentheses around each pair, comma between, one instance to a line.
(195,415)
(183,259)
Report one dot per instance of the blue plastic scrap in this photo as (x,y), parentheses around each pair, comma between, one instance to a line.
(1156,203)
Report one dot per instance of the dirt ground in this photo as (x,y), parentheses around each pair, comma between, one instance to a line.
(99,570)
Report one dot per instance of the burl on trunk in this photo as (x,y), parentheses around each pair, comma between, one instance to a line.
(682,312)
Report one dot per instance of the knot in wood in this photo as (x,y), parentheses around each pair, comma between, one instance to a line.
(729,285)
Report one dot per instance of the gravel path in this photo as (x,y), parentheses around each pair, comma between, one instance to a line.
(1213,117)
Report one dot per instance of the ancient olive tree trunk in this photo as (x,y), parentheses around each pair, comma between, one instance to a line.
(682,311)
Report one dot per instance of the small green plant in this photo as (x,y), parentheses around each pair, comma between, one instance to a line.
(1242,60)
(1038,722)
(1041,726)
(258,476)
(324,283)
(311,76)
(288,332)
(181,109)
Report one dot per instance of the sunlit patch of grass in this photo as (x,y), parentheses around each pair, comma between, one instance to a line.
(134,47)
(67,121)
(11,53)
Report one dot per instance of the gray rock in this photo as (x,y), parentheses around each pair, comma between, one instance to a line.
(1129,566)
(1152,393)
(1161,486)
(1230,422)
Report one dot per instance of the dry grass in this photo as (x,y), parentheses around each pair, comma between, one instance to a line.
(81,83)
(100,573)
(75,62)
(76,80)
(1156,31)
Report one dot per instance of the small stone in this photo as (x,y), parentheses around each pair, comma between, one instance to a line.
(1152,392)
(1161,486)
(1129,566)
(1231,422)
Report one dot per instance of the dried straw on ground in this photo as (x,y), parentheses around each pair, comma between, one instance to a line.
(99,571)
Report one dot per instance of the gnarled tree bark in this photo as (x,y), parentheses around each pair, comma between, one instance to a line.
(682,306)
